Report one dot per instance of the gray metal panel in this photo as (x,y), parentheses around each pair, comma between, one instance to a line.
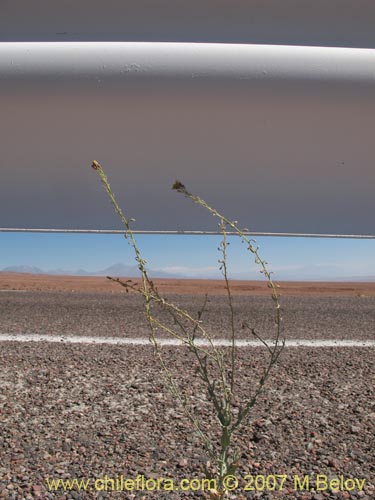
(345,23)
(279,138)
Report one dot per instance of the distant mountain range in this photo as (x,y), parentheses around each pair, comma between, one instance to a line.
(114,270)
(123,270)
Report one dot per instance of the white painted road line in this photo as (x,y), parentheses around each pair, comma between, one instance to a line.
(76,339)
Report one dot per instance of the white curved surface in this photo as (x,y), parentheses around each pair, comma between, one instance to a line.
(123,61)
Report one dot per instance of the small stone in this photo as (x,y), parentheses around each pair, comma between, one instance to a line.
(318,496)
(37,490)
(67,447)
(332,462)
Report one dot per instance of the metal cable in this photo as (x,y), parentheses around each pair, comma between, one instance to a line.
(183,232)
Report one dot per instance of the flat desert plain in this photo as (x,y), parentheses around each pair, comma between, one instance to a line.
(21,281)
(81,411)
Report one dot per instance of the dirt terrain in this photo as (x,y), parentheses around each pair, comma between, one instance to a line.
(89,411)
(122,315)
(86,412)
(20,281)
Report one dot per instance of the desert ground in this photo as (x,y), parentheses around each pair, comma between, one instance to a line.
(42,282)
(85,411)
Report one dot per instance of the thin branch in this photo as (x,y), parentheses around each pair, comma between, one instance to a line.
(224,269)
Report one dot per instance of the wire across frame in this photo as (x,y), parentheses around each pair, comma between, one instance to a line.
(183,232)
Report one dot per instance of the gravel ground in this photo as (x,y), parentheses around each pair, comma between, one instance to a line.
(108,314)
(86,412)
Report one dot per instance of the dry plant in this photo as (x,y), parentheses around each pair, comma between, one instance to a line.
(215,367)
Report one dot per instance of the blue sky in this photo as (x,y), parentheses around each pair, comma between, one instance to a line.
(195,256)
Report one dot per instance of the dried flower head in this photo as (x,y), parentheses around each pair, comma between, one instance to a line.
(95,165)
(178,186)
